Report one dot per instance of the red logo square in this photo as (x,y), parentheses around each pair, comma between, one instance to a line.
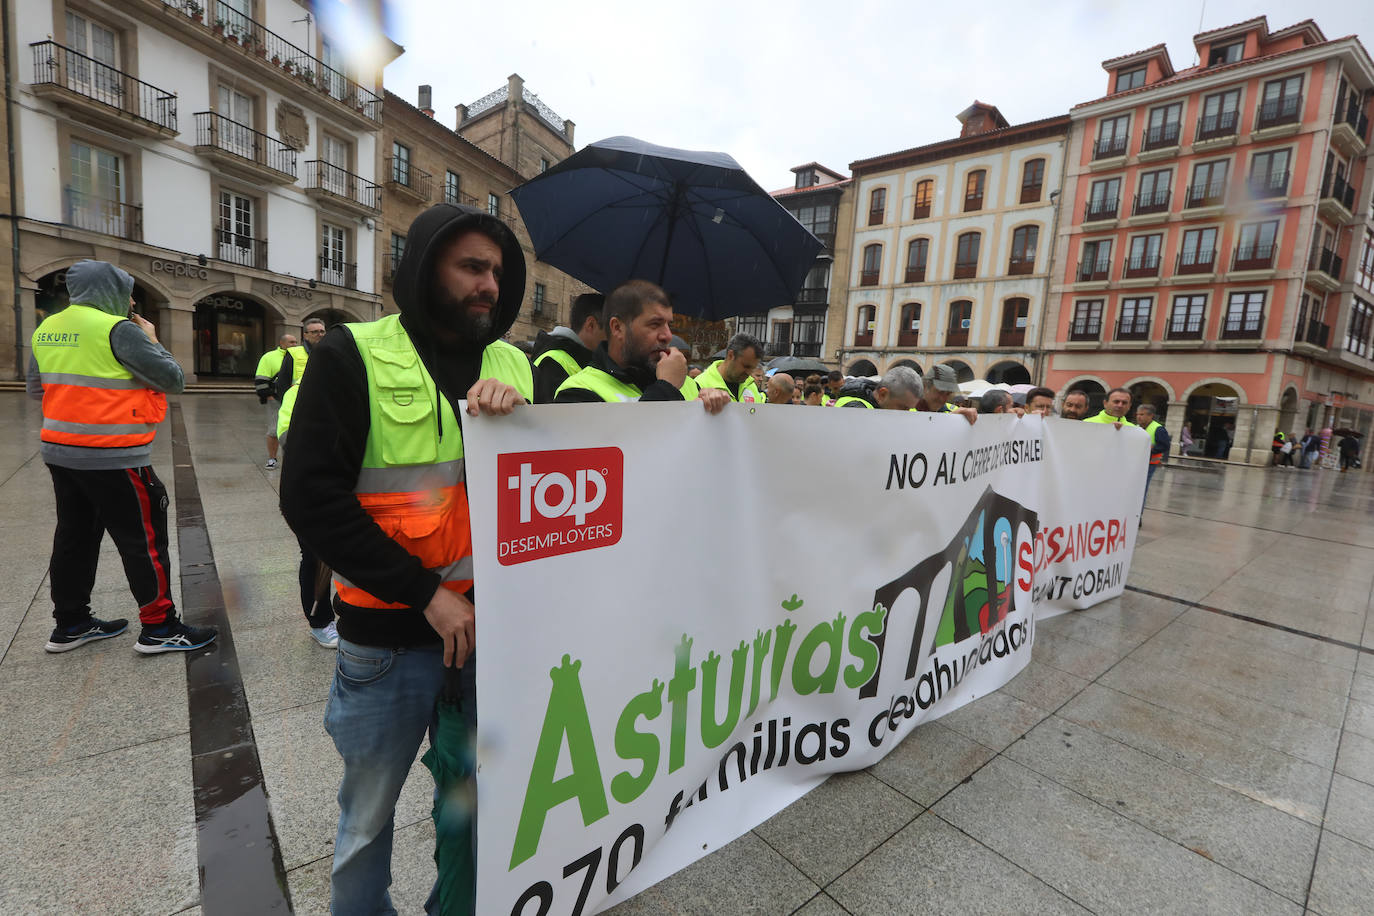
(550,503)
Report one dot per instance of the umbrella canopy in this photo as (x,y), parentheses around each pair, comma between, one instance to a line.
(799,366)
(451,759)
(1346,431)
(693,222)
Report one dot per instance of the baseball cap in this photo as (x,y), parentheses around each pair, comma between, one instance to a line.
(942,378)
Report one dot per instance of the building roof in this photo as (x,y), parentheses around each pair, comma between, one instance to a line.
(1157,52)
(390,98)
(818,167)
(829,186)
(493,101)
(944,149)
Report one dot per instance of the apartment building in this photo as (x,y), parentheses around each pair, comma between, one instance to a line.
(951,253)
(822,201)
(425,162)
(223,153)
(1215,243)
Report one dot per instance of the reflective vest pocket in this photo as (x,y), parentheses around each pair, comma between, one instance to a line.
(407,433)
(431,525)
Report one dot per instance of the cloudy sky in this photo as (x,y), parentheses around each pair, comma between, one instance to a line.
(777,85)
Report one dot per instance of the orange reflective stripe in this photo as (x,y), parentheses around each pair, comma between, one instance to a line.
(80,404)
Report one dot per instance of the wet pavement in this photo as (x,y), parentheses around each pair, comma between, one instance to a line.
(1203,744)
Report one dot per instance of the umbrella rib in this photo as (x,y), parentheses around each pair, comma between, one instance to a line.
(578,224)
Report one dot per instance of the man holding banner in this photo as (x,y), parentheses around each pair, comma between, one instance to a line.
(376,488)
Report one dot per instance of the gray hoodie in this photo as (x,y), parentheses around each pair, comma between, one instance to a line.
(105,287)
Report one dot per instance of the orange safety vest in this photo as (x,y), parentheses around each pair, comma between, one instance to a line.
(89,398)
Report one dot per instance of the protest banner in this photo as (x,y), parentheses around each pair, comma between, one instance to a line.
(685,622)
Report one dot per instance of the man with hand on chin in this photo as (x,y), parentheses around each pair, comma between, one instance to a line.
(374,485)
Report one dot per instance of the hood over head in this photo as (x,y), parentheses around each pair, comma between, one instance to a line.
(858,388)
(100,285)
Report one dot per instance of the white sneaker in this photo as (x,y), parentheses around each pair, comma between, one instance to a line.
(271,463)
(327,636)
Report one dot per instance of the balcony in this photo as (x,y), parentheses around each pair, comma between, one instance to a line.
(1020,266)
(96,214)
(1337,201)
(1086,328)
(1253,257)
(404,178)
(1196,262)
(965,270)
(337,272)
(810,349)
(1242,326)
(1350,129)
(1095,271)
(920,211)
(1145,265)
(1011,337)
(101,94)
(956,337)
(1219,127)
(1278,112)
(1314,332)
(1137,328)
(813,295)
(216,21)
(1161,137)
(915,274)
(1151,202)
(1097,210)
(1110,148)
(1324,270)
(341,189)
(1185,327)
(1274,184)
(243,250)
(868,278)
(239,149)
(1205,194)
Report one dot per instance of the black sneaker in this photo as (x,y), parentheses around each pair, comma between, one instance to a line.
(173,636)
(64,639)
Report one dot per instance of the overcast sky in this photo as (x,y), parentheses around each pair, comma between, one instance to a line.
(777,85)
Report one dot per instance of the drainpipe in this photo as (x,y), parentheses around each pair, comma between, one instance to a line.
(20,370)
(1040,358)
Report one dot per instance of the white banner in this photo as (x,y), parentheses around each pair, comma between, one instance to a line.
(686,622)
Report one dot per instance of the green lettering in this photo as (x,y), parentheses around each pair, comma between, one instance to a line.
(684,679)
(784,631)
(566,716)
(636,745)
(761,641)
(862,648)
(831,635)
(713,733)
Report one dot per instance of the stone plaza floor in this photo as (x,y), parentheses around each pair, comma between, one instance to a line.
(1204,744)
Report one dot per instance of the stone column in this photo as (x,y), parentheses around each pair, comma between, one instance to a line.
(1173,423)
(1262,419)
(178,335)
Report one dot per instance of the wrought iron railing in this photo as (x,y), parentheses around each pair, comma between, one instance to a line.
(1220,124)
(322,176)
(1273,112)
(1106,148)
(1156,201)
(57,65)
(1161,136)
(1086,327)
(1273,184)
(215,130)
(404,172)
(1186,325)
(1206,193)
(1338,189)
(338,272)
(1242,325)
(99,214)
(1253,257)
(1101,208)
(1136,327)
(1141,265)
(1196,262)
(807,348)
(1095,270)
(1330,263)
(1315,333)
(1352,113)
(240,249)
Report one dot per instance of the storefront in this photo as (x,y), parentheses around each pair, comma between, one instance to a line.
(231,334)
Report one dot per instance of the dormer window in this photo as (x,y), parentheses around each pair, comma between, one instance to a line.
(1226,54)
(1130,79)
(806,178)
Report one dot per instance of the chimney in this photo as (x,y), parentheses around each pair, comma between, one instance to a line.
(427,100)
(462,112)
(568,130)
(515,90)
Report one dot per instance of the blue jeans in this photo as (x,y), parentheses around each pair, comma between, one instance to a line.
(381,705)
(1149,475)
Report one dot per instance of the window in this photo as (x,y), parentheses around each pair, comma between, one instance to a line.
(393,257)
(917,250)
(960,317)
(877,206)
(820,219)
(1104,200)
(1185,321)
(872,263)
(909,332)
(1357,334)
(1209,184)
(1153,196)
(95,197)
(332,76)
(863,330)
(808,332)
(1225,54)
(753,325)
(1311,329)
(334,267)
(400,164)
(1023,242)
(1255,251)
(1199,252)
(806,178)
(493,204)
(453,188)
(1015,314)
(925,190)
(966,256)
(541,296)
(1269,174)
(1032,181)
(1134,320)
(816,288)
(1281,102)
(95,73)
(333,176)
(1142,258)
(1087,320)
(236,225)
(1163,127)
(1220,115)
(1097,261)
(1113,134)
(973,190)
(234,127)
(1244,317)
(1130,79)
(543,165)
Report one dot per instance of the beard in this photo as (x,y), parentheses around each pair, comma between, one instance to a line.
(458,316)
(641,356)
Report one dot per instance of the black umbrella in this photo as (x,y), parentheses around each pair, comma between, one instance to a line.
(693,222)
(800,366)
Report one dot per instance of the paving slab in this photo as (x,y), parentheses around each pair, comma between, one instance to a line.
(933,759)
(1341,881)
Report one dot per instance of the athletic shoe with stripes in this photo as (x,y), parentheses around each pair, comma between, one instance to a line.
(64,639)
(173,636)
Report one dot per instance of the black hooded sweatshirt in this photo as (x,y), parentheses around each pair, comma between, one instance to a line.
(861,388)
(329,429)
